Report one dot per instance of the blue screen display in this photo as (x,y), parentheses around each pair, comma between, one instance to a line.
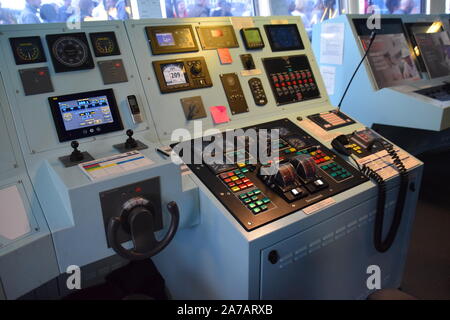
(86,112)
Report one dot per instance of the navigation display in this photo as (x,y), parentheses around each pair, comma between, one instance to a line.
(284,37)
(174,73)
(85,114)
(171,39)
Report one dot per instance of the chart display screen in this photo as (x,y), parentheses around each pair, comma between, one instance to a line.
(174,74)
(284,37)
(85,114)
(252,38)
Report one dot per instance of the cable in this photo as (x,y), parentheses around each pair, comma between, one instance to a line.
(380,244)
(372,38)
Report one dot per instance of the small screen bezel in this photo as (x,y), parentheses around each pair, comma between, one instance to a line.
(183,67)
(158,49)
(269,27)
(65,135)
(247,42)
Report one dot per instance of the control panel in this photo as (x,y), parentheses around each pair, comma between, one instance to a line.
(291,79)
(440,92)
(308,173)
(234,93)
(182,74)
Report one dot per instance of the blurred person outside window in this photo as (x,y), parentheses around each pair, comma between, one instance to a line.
(223,9)
(199,9)
(49,13)
(65,11)
(30,13)
(84,13)
(180,9)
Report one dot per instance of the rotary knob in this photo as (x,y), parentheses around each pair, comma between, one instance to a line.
(196,68)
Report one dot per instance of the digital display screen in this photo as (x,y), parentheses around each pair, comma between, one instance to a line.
(86,112)
(253,36)
(165,39)
(174,74)
(284,37)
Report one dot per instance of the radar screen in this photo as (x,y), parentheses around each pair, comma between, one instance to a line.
(284,37)
(27,50)
(214,37)
(252,38)
(104,44)
(171,39)
(85,114)
(70,51)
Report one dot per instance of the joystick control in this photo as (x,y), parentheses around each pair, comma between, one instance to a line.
(130,143)
(76,155)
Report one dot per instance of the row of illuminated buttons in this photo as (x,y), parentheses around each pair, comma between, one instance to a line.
(252,201)
(291,76)
(356,148)
(293,83)
(336,171)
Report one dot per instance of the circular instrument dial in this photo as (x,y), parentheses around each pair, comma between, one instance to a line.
(28,51)
(105,45)
(70,51)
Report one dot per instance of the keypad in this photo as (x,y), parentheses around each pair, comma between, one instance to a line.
(236,180)
(336,171)
(255,201)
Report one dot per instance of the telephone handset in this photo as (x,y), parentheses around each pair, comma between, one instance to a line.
(370,142)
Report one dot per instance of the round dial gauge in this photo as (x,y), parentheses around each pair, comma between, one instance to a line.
(104,45)
(28,51)
(70,51)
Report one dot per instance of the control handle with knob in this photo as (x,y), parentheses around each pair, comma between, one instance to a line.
(138,220)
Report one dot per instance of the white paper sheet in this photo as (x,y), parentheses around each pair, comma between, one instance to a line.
(332,43)
(329,78)
(13,216)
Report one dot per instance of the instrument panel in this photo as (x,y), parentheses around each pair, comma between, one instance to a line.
(308,173)
(171,39)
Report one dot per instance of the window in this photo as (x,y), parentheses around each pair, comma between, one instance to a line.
(209,8)
(393,6)
(311,11)
(47,11)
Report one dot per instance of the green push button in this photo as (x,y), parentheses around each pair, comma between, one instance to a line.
(254,198)
(243,196)
(266,200)
(333,174)
(245,170)
(259,203)
(256,210)
(241,176)
(325,167)
(257,191)
(263,207)
(247,201)
(251,205)
(251,193)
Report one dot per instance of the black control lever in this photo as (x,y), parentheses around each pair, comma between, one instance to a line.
(139,222)
(76,155)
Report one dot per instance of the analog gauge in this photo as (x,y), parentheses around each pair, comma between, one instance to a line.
(70,52)
(105,44)
(27,50)
(296,142)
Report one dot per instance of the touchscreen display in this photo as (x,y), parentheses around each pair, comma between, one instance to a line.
(165,39)
(86,112)
(174,74)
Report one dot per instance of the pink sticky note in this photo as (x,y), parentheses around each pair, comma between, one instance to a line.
(219,114)
(225,56)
